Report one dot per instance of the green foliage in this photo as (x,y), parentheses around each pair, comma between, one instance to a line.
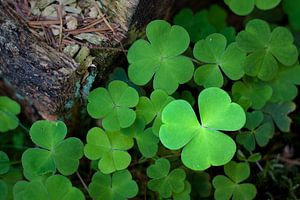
(54,152)
(110,148)
(3,190)
(118,186)
(204,145)
(4,163)
(291,8)
(165,182)
(266,49)
(246,7)
(227,187)
(214,53)
(8,111)
(56,187)
(113,105)
(161,57)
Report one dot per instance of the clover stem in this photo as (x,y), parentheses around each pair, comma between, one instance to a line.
(196,61)
(23,127)
(82,182)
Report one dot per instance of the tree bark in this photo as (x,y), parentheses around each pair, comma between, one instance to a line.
(45,80)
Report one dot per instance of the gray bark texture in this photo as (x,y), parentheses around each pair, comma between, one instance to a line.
(44,80)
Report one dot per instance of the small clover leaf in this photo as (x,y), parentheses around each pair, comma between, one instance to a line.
(291,8)
(162,181)
(114,105)
(3,190)
(284,84)
(231,187)
(110,148)
(4,163)
(150,109)
(266,49)
(213,51)
(185,194)
(203,143)
(146,141)
(118,186)
(54,188)
(8,111)
(256,93)
(201,183)
(246,7)
(279,113)
(259,131)
(55,152)
(161,57)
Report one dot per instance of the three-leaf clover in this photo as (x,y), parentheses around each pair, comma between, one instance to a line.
(163,181)
(54,151)
(245,7)
(56,187)
(279,114)
(204,145)
(214,53)
(113,105)
(150,109)
(146,141)
(118,186)
(227,187)
(259,131)
(161,57)
(8,111)
(110,148)
(254,92)
(266,49)
(284,84)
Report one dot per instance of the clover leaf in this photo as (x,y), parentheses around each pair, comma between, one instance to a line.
(163,181)
(54,152)
(284,84)
(214,53)
(246,7)
(110,148)
(161,57)
(146,141)
(185,194)
(259,131)
(204,145)
(54,188)
(291,8)
(118,186)
(8,111)
(4,162)
(279,113)
(113,105)
(3,190)
(150,109)
(231,187)
(201,183)
(255,92)
(266,49)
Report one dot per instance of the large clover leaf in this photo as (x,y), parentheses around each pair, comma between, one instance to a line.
(284,84)
(118,186)
(162,181)
(265,49)
(254,92)
(113,105)
(150,109)
(56,187)
(245,7)
(213,51)
(231,187)
(161,57)
(54,151)
(110,148)
(203,144)
(8,111)
(259,132)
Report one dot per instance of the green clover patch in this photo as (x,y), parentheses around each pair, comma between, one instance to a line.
(113,105)
(54,152)
(266,49)
(214,53)
(8,111)
(204,145)
(161,57)
(110,148)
